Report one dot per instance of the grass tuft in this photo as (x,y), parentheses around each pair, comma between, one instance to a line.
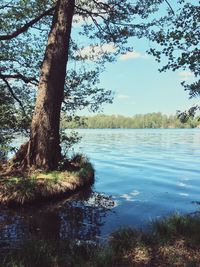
(125,239)
(126,247)
(46,185)
(178,226)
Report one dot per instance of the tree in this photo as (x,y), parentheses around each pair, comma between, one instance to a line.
(16,65)
(178,38)
(106,24)
(7,121)
(46,118)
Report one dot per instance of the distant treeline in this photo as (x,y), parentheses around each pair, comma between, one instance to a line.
(150,120)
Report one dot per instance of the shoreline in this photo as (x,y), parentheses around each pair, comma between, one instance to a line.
(44,186)
(173,241)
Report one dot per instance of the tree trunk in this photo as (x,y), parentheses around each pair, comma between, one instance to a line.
(43,149)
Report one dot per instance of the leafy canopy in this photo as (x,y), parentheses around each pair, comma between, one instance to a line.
(177,36)
(101,30)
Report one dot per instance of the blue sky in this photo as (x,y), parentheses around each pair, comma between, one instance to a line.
(140,88)
(137,84)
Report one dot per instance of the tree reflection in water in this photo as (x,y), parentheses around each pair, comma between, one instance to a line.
(79,217)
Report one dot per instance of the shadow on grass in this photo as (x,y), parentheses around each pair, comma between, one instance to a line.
(174,241)
(39,186)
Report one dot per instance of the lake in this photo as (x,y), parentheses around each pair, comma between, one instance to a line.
(141,175)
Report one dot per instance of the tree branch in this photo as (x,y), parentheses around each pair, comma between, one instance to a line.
(170,7)
(26,26)
(19,76)
(101,4)
(87,12)
(6,5)
(12,93)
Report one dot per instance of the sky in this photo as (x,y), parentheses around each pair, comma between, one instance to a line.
(139,87)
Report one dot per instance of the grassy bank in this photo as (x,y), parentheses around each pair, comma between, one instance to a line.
(172,242)
(38,186)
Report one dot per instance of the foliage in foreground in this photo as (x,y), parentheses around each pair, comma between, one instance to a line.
(177,39)
(174,241)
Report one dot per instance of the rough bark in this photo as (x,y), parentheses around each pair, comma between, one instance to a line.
(43,149)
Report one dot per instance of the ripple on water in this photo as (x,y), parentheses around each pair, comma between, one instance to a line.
(141,175)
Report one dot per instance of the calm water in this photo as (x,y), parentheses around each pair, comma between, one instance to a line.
(141,175)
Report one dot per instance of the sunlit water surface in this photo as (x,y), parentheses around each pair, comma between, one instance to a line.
(141,175)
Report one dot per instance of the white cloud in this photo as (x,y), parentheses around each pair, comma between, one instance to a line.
(135,193)
(122,96)
(78,21)
(186,75)
(130,197)
(127,197)
(133,55)
(94,52)
(184,194)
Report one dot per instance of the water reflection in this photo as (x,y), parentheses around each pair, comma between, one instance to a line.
(79,217)
(149,173)
(131,196)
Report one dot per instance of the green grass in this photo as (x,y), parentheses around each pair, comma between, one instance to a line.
(177,226)
(44,185)
(40,253)
(173,241)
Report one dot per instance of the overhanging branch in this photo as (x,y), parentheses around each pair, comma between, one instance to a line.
(26,26)
(170,7)
(12,93)
(19,76)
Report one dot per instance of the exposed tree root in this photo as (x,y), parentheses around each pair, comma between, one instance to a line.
(21,165)
(17,166)
(18,187)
